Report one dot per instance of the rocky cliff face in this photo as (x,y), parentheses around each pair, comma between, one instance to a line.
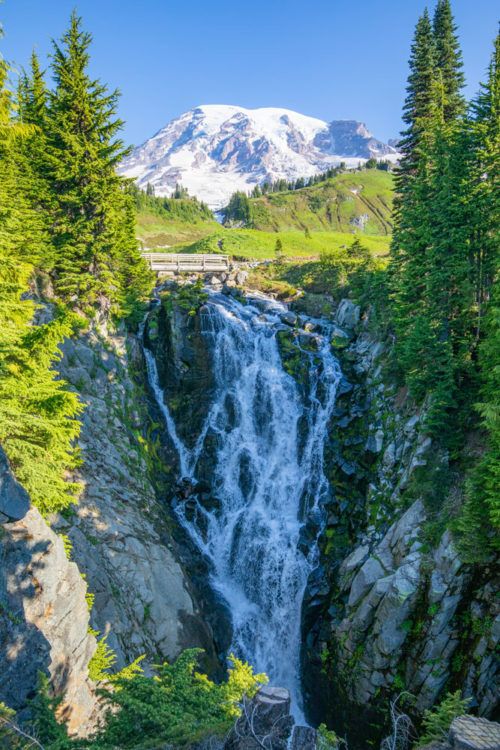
(120,532)
(43,613)
(122,549)
(391,607)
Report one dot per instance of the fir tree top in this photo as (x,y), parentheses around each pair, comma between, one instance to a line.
(33,94)
(449,58)
(418,102)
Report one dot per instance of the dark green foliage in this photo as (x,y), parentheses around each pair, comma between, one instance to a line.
(444,258)
(449,59)
(358,250)
(238,209)
(278,251)
(436,722)
(418,102)
(479,524)
(72,153)
(37,412)
(82,155)
(44,726)
(180,206)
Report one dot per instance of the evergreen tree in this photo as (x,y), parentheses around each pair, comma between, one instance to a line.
(32,104)
(479,524)
(83,151)
(278,251)
(36,425)
(483,149)
(418,102)
(33,95)
(449,59)
(238,209)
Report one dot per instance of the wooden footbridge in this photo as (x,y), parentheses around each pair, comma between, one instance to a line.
(186,262)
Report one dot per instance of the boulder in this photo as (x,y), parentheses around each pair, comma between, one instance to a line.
(348,314)
(364,580)
(472,733)
(241,277)
(289,318)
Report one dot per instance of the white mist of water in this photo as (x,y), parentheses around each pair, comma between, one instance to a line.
(267,475)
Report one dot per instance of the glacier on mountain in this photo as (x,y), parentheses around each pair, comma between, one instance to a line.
(213,150)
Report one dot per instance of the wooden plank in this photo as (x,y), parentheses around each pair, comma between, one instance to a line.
(186,262)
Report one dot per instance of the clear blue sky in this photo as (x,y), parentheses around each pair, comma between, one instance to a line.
(333,59)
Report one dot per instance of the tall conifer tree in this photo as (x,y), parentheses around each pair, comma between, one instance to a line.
(449,59)
(484,182)
(33,95)
(418,100)
(83,152)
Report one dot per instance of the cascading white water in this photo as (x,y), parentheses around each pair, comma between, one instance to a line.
(267,475)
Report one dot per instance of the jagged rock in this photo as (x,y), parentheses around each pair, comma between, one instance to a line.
(44,620)
(241,277)
(348,314)
(472,733)
(364,580)
(389,457)
(312,326)
(340,339)
(304,738)
(355,559)
(184,361)
(119,531)
(14,500)
(375,442)
(215,280)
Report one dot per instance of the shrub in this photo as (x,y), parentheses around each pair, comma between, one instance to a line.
(436,722)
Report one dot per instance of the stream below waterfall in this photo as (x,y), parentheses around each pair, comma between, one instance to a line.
(269,433)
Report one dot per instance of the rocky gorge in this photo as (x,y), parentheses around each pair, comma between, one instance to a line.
(376,601)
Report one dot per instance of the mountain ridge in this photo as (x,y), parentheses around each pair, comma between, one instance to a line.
(213,150)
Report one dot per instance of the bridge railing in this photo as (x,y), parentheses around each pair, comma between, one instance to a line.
(186,262)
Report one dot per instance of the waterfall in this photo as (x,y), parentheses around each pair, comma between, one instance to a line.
(267,477)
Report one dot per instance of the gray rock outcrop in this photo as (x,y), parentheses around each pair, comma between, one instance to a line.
(43,615)
(395,610)
(119,532)
(472,733)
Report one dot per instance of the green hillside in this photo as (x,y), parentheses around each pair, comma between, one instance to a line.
(308,221)
(253,243)
(162,222)
(349,201)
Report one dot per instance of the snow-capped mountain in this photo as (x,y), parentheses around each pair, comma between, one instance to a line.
(214,150)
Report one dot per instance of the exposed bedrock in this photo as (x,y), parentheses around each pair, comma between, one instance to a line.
(390,607)
(43,613)
(184,363)
(121,529)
